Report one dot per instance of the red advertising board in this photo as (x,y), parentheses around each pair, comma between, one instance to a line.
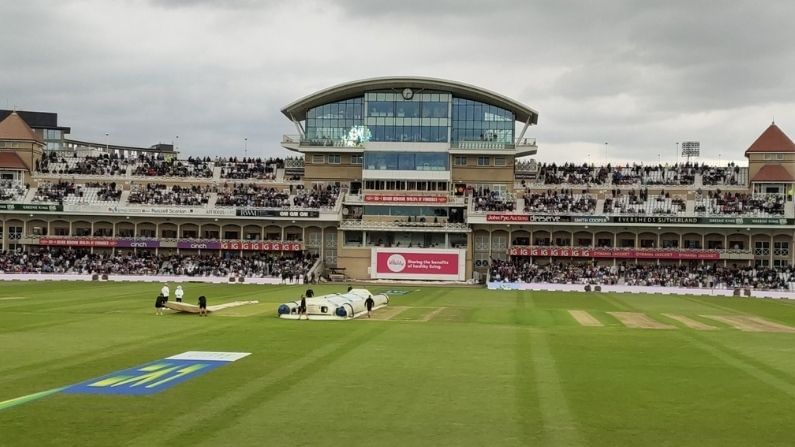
(205,244)
(261,246)
(74,242)
(418,263)
(404,199)
(631,253)
(507,218)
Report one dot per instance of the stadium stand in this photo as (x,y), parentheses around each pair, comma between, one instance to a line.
(160,194)
(639,202)
(317,197)
(103,165)
(732,203)
(360,185)
(690,275)
(57,260)
(559,201)
(249,168)
(487,200)
(250,195)
(160,167)
(11,191)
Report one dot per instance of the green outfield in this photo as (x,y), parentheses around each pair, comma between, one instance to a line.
(440,366)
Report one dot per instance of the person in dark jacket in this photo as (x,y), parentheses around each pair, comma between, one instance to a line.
(202,306)
(369,303)
(302,308)
(159,304)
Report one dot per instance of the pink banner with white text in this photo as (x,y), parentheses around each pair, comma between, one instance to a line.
(439,264)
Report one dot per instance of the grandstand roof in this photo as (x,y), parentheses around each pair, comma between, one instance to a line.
(10,160)
(773,173)
(297,109)
(13,127)
(772,139)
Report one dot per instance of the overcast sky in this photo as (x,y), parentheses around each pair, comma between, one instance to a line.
(640,78)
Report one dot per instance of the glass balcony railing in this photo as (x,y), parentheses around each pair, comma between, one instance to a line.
(320,142)
(465,144)
(494,145)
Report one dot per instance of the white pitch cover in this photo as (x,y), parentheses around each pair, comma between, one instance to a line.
(210,356)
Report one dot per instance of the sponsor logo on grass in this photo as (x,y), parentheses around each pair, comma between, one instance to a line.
(148,378)
(397,292)
(156,376)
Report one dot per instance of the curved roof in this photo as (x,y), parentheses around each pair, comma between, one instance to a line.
(297,109)
(772,173)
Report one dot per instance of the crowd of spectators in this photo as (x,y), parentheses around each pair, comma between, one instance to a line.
(712,176)
(106,192)
(249,168)
(639,202)
(486,200)
(56,192)
(159,194)
(735,203)
(318,197)
(105,164)
(82,261)
(562,201)
(636,174)
(676,174)
(691,275)
(249,195)
(573,174)
(161,167)
(11,190)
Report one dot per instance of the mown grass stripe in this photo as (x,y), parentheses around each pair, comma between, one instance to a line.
(560,427)
(765,374)
(224,410)
(28,398)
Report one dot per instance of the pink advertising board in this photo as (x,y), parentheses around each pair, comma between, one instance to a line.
(418,263)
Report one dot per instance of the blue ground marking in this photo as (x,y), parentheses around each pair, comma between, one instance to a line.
(148,378)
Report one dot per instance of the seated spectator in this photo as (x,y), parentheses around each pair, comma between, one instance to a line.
(11,191)
(559,202)
(287,266)
(317,197)
(159,194)
(736,203)
(158,166)
(250,195)
(249,168)
(690,275)
(487,200)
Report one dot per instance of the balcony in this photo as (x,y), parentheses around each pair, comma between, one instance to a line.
(525,146)
(298,143)
(404,198)
(402,225)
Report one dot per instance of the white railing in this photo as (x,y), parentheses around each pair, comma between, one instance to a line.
(352,224)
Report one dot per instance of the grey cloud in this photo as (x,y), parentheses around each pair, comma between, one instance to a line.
(215,72)
(214,4)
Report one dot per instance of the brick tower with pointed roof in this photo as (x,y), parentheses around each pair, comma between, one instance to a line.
(19,144)
(771,158)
